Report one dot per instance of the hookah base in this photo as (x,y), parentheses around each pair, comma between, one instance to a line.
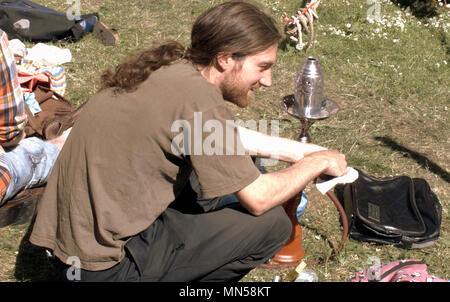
(292,251)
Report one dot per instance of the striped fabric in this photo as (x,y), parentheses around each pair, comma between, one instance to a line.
(31,72)
(11,98)
(5,177)
(11,105)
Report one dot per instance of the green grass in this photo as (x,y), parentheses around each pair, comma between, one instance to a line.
(391,86)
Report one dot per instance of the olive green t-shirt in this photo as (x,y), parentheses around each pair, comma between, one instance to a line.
(127,158)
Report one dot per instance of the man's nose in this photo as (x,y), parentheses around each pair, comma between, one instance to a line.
(266,79)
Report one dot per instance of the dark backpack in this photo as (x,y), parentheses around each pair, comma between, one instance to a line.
(392,210)
(28,21)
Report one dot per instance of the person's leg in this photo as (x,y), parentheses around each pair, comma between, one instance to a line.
(30,164)
(236,243)
(222,245)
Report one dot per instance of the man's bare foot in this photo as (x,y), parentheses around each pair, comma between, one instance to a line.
(60,140)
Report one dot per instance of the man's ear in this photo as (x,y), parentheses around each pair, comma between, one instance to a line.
(224,62)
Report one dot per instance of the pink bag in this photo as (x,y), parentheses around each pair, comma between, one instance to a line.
(409,270)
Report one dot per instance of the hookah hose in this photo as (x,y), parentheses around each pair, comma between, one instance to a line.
(337,251)
(344,222)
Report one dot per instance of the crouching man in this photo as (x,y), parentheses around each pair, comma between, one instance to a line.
(120,198)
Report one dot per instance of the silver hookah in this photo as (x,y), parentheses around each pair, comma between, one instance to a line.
(308,103)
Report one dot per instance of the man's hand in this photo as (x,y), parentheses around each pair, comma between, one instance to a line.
(337,165)
(21,121)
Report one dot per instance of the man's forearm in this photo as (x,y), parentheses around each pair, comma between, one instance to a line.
(272,189)
(263,145)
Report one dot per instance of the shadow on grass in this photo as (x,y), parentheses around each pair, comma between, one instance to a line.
(420,159)
(32,263)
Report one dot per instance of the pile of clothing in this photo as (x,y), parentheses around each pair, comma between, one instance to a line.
(40,65)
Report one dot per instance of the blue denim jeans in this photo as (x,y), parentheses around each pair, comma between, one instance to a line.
(30,164)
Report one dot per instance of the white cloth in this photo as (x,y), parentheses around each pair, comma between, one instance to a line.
(18,48)
(49,55)
(349,177)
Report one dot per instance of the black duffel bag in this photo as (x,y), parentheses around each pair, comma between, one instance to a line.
(392,210)
(28,21)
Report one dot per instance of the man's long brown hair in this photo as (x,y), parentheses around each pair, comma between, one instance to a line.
(234,28)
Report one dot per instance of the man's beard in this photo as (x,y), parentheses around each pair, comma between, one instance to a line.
(234,92)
